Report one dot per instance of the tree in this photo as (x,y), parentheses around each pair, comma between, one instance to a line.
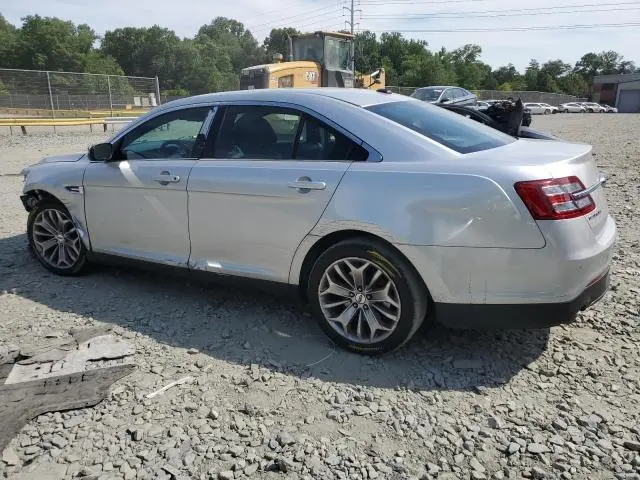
(469,70)
(8,39)
(531,75)
(426,68)
(367,52)
(97,62)
(144,51)
(52,44)
(277,41)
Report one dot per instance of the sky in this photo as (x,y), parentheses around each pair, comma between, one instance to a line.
(406,16)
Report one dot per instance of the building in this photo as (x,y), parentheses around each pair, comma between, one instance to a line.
(620,90)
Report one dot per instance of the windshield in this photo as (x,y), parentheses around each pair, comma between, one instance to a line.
(447,128)
(309,48)
(337,53)
(428,94)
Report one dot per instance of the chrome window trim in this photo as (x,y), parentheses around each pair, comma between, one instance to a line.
(213,109)
(374,155)
(145,118)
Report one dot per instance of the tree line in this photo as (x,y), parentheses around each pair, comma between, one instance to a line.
(213,58)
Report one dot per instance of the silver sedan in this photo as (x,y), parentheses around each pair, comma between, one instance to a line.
(382,210)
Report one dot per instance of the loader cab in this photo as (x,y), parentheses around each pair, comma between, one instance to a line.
(331,51)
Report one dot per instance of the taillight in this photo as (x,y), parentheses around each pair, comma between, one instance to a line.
(553,199)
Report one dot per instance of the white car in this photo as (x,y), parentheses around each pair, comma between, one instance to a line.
(593,107)
(609,109)
(540,108)
(572,107)
(380,210)
(550,107)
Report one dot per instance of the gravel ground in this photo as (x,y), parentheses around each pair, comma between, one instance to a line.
(271,398)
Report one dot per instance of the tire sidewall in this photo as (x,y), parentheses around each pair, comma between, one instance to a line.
(80,264)
(407,323)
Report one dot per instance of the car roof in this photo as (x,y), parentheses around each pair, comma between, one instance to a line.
(356,96)
(437,86)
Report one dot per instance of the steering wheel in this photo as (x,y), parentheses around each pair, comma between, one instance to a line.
(172,147)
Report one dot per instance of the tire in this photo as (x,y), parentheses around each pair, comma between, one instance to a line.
(56,217)
(547,111)
(590,110)
(397,280)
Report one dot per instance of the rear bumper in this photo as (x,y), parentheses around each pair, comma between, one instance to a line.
(519,316)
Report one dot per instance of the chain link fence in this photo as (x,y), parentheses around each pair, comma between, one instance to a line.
(526,96)
(45,94)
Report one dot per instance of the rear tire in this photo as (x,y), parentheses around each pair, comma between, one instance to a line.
(366,297)
(547,111)
(54,239)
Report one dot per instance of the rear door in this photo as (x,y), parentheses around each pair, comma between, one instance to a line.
(262,187)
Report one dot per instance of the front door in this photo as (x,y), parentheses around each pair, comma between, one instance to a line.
(262,189)
(136,204)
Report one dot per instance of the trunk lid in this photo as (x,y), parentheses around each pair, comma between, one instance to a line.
(560,159)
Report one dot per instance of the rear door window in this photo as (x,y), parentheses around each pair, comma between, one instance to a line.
(447,128)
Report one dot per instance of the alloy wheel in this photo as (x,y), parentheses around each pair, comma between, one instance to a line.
(359,300)
(56,239)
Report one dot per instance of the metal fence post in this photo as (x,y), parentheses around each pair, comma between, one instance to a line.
(53,113)
(158,101)
(109,87)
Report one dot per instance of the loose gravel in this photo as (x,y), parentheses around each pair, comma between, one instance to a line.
(271,398)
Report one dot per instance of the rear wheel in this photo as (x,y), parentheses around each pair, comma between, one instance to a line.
(54,239)
(547,111)
(366,297)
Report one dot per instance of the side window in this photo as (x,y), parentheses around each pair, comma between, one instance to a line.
(168,136)
(257,132)
(318,141)
(277,133)
(462,93)
(449,93)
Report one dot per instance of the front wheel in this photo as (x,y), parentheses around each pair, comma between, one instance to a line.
(54,239)
(366,297)
(547,111)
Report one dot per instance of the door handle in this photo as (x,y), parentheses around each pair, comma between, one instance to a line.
(307,185)
(166,177)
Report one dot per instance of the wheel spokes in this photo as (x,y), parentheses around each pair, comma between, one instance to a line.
(359,300)
(56,238)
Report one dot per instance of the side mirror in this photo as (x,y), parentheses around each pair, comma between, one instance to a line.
(101,152)
(445,100)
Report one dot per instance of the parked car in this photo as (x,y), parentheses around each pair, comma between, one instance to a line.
(609,108)
(448,95)
(571,107)
(381,210)
(551,107)
(593,107)
(540,108)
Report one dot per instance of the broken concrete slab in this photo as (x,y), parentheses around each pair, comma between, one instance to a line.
(67,374)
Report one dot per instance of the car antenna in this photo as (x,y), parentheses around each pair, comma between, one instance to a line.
(383,90)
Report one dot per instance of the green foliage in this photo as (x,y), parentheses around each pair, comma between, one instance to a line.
(213,58)
(277,42)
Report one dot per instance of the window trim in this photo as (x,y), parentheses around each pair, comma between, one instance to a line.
(374,155)
(116,139)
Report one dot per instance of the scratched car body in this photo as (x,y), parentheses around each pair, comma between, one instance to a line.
(381,209)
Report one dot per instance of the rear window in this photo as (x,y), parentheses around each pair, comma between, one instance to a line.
(447,128)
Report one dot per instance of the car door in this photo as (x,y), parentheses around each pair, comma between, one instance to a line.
(464,97)
(136,203)
(262,187)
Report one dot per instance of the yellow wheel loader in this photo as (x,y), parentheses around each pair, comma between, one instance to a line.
(320,59)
